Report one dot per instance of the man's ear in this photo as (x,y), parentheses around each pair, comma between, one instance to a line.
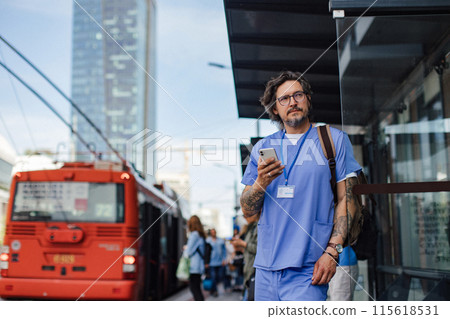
(275,111)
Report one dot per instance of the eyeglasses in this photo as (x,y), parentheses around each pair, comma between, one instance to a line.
(286,99)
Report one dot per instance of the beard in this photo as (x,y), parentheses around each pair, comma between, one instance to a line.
(297,121)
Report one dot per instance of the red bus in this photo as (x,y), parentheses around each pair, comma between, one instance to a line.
(90,231)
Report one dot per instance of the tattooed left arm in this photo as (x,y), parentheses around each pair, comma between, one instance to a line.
(325,267)
(339,233)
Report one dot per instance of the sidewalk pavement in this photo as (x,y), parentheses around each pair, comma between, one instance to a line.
(185,295)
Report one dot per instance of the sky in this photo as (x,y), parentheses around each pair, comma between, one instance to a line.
(197,105)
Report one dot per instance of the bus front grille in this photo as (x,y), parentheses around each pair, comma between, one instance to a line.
(28,230)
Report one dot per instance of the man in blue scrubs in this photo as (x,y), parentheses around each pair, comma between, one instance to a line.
(299,232)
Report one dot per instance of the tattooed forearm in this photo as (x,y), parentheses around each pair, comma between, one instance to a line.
(340,221)
(340,227)
(349,183)
(252,201)
(352,199)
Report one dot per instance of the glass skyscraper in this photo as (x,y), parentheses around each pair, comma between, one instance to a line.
(110,83)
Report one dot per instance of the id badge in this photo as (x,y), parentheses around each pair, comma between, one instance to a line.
(286,191)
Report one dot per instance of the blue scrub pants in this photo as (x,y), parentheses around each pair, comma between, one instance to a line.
(290,284)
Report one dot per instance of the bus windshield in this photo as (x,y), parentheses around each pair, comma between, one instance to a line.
(69,202)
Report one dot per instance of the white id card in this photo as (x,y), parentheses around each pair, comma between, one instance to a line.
(286,191)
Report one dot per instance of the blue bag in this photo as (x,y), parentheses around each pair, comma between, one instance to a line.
(207,283)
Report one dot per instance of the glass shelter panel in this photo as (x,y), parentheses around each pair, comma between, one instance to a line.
(424,229)
(395,98)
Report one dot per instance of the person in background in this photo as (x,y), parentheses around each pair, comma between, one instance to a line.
(195,248)
(233,269)
(238,261)
(342,285)
(248,246)
(236,231)
(218,260)
(229,263)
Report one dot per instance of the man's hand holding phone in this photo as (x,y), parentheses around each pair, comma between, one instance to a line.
(269,167)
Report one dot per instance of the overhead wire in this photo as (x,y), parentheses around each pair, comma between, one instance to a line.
(73,104)
(50,107)
(12,141)
(98,131)
(46,103)
(19,103)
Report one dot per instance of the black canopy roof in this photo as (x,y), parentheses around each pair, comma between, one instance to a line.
(269,36)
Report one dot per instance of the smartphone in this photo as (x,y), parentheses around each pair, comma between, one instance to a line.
(267,153)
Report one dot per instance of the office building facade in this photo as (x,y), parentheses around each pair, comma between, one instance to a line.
(113,65)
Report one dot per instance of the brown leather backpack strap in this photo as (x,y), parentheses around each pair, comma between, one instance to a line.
(330,153)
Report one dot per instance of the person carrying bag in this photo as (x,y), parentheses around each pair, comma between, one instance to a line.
(248,245)
(195,249)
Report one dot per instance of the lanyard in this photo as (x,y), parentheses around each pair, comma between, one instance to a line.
(286,175)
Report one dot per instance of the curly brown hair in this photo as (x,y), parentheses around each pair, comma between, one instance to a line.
(268,100)
(194,224)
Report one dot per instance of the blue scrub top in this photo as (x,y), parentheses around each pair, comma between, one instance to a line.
(294,232)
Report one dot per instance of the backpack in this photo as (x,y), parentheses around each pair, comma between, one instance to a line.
(208,250)
(207,256)
(362,231)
